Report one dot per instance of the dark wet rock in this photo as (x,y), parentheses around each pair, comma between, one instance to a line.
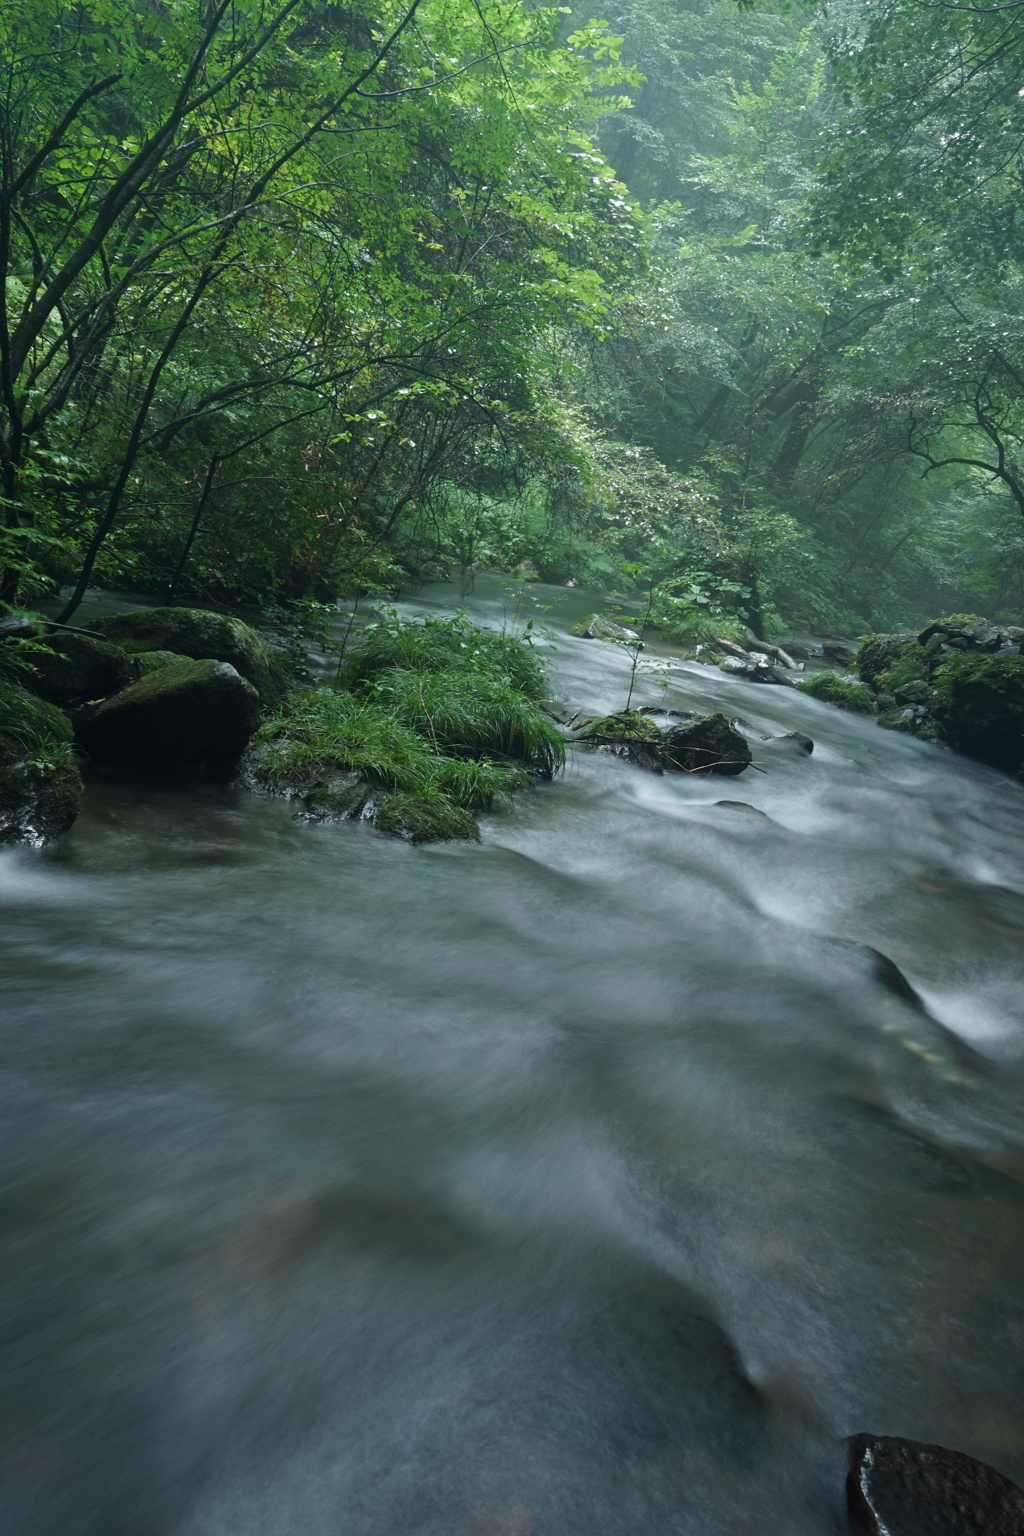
(40,786)
(795,742)
(756,670)
(743,808)
(201,635)
(340,797)
(187,712)
(711,745)
(594,627)
(839,655)
(75,668)
(424,819)
(981,707)
(905,1488)
(800,652)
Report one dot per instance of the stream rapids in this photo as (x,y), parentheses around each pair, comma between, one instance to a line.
(594,1181)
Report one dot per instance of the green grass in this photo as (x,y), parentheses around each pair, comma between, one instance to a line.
(444,645)
(474,715)
(833,690)
(31,729)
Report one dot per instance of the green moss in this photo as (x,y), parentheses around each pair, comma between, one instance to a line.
(72,669)
(154,661)
(202,635)
(877,653)
(425,819)
(835,690)
(31,728)
(908,665)
(982,698)
(628,726)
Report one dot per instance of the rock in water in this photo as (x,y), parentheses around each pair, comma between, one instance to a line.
(982,699)
(711,745)
(187,712)
(594,627)
(40,785)
(903,1488)
(195,632)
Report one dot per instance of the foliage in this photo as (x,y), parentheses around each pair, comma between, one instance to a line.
(841,691)
(31,730)
(444,644)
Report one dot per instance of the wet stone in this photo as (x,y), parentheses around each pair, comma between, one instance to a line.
(905,1488)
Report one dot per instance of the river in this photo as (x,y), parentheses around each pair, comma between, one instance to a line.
(593,1181)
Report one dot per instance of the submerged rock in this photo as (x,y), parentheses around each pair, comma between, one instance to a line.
(197,633)
(40,786)
(628,734)
(711,745)
(594,627)
(905,1488)
(186,712)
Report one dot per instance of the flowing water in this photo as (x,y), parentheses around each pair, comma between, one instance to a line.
(589,1182)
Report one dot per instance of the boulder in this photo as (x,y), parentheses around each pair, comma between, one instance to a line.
(75,668)
(152,661)
(197,633)
(877,653)
(839,655)
(425,819)
(629,734)
(40,786)
(187,712)
(711,745)
(981,707)
(905,1488)
(594,627)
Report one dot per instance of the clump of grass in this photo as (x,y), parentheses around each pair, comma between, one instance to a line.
(473,714)
(30,728)
(444,645)
(322,730)
(837,690)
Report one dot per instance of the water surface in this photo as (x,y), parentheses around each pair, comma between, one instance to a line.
(590,1182)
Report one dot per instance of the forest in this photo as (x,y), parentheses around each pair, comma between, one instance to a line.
(304,301)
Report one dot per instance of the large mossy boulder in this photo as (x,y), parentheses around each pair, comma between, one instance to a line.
(186,712)
(75,668)
(40,786)
(981,707)
(202,635)
(711,745)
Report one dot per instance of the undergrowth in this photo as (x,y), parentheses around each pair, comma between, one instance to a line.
(432,708)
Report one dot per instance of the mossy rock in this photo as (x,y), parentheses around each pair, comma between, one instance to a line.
(187,712)
(338,798)
(594,627)
(153,661)
(983,713)
(40,786)
(202,635)
(425,819)
(877,653)
(839,691)
(709,745)
(628,734)
(910,664)
(75,668)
